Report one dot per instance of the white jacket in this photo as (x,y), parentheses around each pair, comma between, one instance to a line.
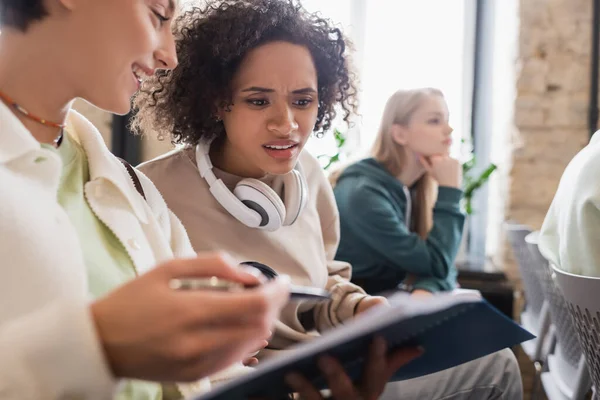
(571,229)
(48,343)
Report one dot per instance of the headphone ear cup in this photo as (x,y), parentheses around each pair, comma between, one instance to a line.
(295,196)
(221,193)
(259,197)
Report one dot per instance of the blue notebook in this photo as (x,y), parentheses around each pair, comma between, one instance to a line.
(453,328)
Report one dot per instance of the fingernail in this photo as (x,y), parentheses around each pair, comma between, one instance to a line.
(254,272)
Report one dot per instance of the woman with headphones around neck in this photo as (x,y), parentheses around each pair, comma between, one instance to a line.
(256,80)
(244,101)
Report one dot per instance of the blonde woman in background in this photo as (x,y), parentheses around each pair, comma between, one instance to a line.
(400,208)
(400,217)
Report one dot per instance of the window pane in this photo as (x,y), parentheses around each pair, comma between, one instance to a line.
(337,11)
(412,44)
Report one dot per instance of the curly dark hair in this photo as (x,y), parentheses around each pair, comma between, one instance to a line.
(211,43)
(21,13)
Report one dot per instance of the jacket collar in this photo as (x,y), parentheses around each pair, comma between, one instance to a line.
(17,141)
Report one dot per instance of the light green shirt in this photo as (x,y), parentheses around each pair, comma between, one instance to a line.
(107,262)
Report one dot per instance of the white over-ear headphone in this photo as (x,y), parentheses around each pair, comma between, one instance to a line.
(253,202)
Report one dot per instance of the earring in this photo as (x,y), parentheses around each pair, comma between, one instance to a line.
(218,118)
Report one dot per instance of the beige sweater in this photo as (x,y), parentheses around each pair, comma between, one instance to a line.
(304,250)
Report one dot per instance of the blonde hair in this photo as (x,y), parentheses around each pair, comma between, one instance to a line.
(399,110)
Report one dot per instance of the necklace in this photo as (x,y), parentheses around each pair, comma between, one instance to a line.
(35,118)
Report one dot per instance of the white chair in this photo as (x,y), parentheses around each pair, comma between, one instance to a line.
(538,351)
(582,296)
(566,376)
(539,266)
(535,316)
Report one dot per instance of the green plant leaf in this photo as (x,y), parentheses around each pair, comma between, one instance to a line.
(480,180)
(340,138)
(340,141)
(468,206)
(468,165)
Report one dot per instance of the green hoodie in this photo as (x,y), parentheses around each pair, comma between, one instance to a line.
(375,238)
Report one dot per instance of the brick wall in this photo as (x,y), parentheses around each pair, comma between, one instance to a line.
(550,108)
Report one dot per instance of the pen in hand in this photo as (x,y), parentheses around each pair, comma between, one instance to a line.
(215,283)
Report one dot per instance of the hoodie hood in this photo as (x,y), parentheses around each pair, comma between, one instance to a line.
(373,170)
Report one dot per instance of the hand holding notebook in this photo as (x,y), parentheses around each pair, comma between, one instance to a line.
(452,328)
